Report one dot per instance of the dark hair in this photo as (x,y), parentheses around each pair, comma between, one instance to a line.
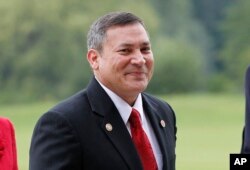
(98,29)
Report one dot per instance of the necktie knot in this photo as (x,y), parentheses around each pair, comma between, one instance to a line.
(134,119)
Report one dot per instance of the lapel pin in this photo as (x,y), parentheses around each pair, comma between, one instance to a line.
(163,124)
(109,127)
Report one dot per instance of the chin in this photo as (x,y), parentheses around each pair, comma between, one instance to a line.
(136,85)
(139,89)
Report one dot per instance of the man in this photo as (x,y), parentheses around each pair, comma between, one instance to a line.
(112,125)
(246,134)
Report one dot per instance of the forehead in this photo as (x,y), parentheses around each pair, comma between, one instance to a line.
(127,34)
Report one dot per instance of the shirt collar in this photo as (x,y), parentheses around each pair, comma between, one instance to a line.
(122,106)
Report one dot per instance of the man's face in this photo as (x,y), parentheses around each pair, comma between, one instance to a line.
(125,64)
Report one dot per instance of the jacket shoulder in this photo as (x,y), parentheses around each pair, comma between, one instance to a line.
(74,103)
(160,106)
(157,102)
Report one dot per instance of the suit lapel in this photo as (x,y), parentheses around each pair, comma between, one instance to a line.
(121,139)
(160,131)
(112,124)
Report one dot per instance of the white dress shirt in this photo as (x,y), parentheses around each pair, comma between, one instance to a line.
(125,110)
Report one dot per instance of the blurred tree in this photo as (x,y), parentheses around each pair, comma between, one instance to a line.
(43,44)
(235,54)
(181,47)
(177,21)
(179,67)
(209,13)
(42,47)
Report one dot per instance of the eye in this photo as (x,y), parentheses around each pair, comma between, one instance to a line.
(146,50)
(124,51)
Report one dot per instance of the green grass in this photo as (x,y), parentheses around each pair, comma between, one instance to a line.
(24,117)
(209,128)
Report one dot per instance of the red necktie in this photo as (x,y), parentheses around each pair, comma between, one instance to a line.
(141,142)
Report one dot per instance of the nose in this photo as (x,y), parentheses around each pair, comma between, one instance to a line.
(138,59)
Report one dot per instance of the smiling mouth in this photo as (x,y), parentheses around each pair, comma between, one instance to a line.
(137,74)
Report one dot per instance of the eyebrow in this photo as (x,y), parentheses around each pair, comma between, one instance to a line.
(147,43)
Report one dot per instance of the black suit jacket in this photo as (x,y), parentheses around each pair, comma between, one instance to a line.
(246,133)
(73,136)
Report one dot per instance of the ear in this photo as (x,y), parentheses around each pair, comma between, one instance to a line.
(93,58)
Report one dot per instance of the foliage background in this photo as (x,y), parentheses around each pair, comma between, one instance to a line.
(200,46)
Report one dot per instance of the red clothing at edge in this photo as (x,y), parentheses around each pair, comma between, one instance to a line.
(8,155)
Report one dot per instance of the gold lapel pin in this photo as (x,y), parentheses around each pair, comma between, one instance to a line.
(109,127)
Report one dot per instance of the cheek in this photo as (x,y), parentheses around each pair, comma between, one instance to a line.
(121,64)
(150,64)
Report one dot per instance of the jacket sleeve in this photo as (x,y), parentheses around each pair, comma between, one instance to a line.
(54,145)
